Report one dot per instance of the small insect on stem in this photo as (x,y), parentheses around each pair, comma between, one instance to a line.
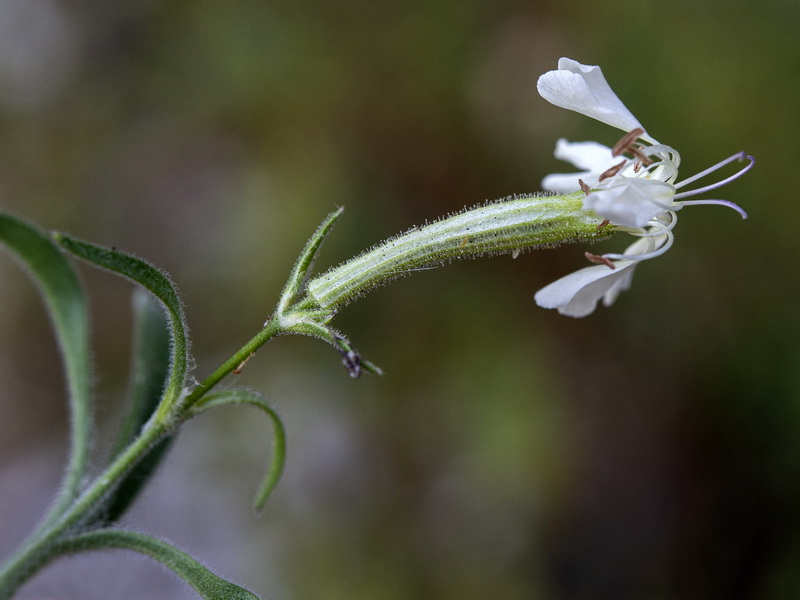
(352,362)
(600,260)
(350,358)
(465,241)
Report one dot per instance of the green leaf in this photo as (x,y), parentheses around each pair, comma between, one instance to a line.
(208,585)
(149,366)
(302,267)
(66,305)
(234,397)
(128,490)
(159,284)
(149,371)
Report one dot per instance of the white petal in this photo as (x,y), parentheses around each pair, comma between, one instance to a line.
(567,182)
(592,157)
(595,159)
(631,203)
(587,156)
(577,294)
(584,89)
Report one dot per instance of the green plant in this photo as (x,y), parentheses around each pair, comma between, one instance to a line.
(641,201)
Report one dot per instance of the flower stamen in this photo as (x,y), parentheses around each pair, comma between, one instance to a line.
(625,143)
(727,203)
(738,156)
(640,154)
(608,173)
(656,247)
(600,260)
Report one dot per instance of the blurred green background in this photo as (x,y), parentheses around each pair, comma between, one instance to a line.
(650,451)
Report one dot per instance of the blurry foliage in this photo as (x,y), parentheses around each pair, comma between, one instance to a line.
(649,451)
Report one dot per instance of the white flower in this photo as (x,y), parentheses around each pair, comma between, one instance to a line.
(632,186)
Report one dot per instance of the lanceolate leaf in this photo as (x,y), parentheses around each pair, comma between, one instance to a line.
(149,366)
(149,371)
(66,304)
(208,585)
(161,287)
(302,268)
(232,397)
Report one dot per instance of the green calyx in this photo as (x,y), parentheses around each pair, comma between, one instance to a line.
(506,226)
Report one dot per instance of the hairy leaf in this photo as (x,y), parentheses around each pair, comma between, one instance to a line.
(159,284)
(208,585)
(66,304)
(149,371)
(302,268)
(233,397)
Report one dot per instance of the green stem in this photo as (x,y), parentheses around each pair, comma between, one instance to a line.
(271,329)
(36,551)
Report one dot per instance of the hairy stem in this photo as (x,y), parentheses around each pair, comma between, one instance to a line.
(35,553)
(271,329)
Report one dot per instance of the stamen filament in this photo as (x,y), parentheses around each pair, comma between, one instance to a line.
(739,156)
(646,255)
(727,203)
(658,227)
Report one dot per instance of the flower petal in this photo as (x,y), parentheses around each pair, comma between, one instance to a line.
(592,157)
(584,89)
(577,294)
(567,182)
(587,156)
(631,203)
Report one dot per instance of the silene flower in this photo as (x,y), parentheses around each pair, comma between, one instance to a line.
(633,186)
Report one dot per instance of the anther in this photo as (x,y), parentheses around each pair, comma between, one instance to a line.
(584,187)
(613,171)
(600,260)
(643,158)
(603,224)
(625,143)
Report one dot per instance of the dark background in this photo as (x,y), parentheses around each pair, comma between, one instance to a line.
(650,451)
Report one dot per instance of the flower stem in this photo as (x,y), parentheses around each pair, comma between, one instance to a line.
(36,551)
(271,329)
